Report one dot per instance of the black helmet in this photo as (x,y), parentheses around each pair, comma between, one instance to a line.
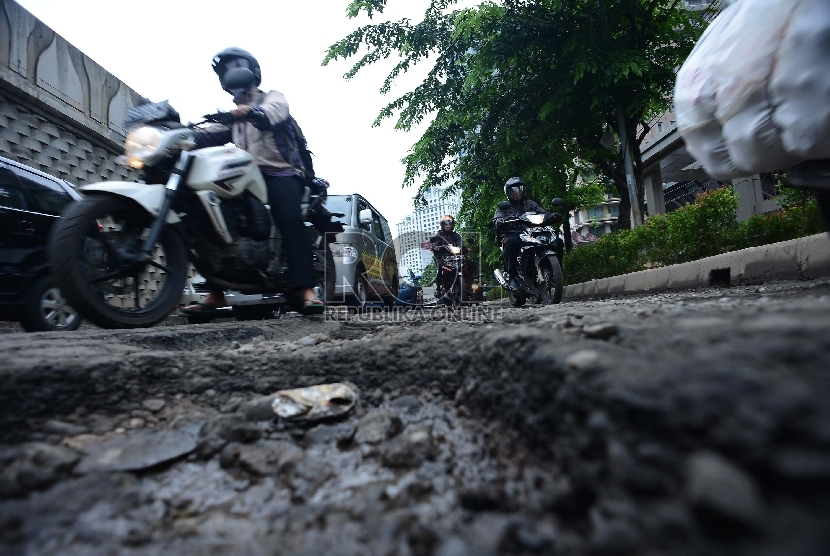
(447,223)
(237,70)
(514,189)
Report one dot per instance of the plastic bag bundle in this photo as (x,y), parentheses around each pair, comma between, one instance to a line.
(754,94)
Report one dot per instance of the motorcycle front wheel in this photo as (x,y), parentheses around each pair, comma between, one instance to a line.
(93,249)
(552,281)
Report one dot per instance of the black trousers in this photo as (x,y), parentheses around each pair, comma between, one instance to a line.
(511,246)
(284,196)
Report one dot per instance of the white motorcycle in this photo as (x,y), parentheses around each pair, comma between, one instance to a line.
(121,255)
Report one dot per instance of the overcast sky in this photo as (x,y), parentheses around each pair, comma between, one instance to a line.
(163,50)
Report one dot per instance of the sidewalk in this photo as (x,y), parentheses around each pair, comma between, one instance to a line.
(805,258)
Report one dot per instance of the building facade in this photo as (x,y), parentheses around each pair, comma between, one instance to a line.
(597,220)
(416,228)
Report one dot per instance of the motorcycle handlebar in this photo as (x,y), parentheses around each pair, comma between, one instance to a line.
(224,118)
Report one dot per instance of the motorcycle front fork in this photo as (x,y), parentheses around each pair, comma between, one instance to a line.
(182,166)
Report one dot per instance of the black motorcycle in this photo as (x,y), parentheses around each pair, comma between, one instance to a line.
(539,268)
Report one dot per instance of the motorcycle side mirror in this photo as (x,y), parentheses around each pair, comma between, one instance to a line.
(557,202)
(366,216)
(504,205)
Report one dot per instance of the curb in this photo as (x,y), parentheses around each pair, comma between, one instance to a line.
(805,258)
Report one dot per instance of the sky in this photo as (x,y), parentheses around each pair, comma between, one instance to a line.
(163,49)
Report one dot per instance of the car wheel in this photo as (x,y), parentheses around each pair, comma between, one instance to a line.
(358,298)
(47,310)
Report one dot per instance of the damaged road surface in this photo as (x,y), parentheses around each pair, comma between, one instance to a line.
(681,423)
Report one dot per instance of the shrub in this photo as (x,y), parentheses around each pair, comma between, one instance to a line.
(702,229)
(496,293)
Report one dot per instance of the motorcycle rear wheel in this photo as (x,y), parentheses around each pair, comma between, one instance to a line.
(87,249)
(517,299)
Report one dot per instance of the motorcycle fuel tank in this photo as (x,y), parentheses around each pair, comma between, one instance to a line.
(227,171)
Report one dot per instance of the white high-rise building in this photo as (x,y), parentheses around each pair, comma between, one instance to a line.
(422,224)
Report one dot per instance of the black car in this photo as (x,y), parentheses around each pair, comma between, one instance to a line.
(30,202)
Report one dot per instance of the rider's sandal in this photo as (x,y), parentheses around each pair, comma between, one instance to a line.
(313,307)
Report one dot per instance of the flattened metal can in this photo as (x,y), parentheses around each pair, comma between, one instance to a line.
(314,403)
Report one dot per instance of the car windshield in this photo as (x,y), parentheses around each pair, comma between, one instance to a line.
(340,203)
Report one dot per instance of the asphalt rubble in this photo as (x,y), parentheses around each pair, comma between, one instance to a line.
(677,423)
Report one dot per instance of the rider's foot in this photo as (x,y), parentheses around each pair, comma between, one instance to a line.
(212,301)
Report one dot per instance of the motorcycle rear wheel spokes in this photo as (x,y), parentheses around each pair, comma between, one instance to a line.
(96,252)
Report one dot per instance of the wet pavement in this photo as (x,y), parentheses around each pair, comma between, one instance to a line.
(677,423)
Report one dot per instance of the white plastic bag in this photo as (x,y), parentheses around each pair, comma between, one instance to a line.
(733,58)
(754,94)
(800,86)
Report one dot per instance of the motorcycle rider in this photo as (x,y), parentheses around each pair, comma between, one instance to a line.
(262,128)
(441,242)
(507,235)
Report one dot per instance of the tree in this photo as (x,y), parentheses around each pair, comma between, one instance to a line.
(429,274)
(526,87)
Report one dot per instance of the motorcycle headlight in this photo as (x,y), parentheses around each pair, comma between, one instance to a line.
(140,144)
(536,219)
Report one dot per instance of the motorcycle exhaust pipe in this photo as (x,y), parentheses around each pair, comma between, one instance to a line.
(500,278)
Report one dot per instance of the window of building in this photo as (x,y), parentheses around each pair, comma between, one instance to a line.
(595,213)
(659,127)
(597,230)
(614,211)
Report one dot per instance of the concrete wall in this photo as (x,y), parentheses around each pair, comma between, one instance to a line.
(60,112)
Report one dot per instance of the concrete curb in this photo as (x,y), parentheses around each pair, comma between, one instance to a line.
(804,258)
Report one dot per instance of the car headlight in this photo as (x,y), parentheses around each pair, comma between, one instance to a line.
(140,144)
(344,250)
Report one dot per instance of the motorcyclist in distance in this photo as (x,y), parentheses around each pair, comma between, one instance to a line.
(262,128)
(441,242)
(507,235)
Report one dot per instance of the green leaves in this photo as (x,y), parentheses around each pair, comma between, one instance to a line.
(695,231)
(523,87)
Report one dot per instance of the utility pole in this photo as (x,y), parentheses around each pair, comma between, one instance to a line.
(633,196)
(634,200)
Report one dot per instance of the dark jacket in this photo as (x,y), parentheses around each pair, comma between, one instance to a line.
(514,210)
(442,239)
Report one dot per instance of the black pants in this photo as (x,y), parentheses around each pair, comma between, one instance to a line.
(511,246)
(284,196)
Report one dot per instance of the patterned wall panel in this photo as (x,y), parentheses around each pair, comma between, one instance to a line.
(46,143)
(59,111)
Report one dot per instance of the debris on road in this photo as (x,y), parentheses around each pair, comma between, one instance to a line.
(313,403)
(137,451)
